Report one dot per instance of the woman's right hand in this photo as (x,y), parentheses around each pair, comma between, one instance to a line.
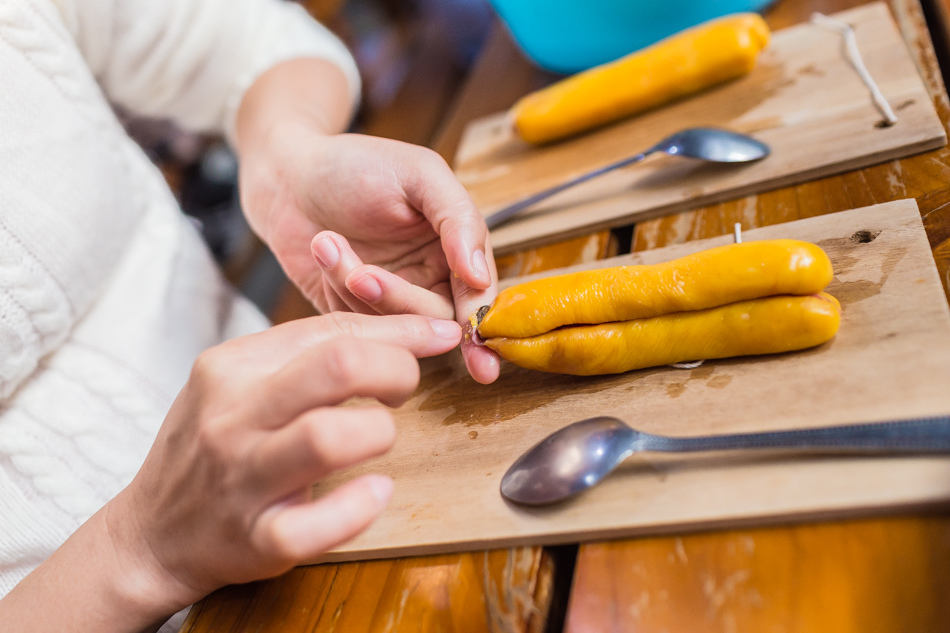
(224,495)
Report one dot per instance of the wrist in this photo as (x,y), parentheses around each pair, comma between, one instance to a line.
(140,582)
(309,93)
(282,119)
(98,580)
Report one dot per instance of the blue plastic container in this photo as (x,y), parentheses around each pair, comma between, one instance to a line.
(567,36)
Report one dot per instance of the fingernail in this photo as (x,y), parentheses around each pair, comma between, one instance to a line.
(448,330)
(366,288)
(381,487)
(480,264)
(326,252)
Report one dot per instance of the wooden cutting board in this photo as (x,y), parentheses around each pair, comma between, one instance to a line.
(804,99)
(891,359)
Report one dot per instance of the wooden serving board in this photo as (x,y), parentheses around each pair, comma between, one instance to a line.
(891,359)
(804,99)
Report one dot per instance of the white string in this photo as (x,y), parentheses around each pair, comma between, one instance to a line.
(854,55)
(693,364)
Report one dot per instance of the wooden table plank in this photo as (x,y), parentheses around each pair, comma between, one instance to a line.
(868,576)
(846,576)
(504,590)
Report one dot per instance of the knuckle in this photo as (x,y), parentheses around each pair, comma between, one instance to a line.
(212,439)
(321,440)
(409,366)
(404,379)
(433,159)
(345,360)
(281,546)
(411,374)
(405,305)
(208,366)
(208,393)
(411,328)
(342,323)
(385,428)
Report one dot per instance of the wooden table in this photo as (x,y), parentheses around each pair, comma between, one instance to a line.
(871,574)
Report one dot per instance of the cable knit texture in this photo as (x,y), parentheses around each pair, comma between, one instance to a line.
(107,293)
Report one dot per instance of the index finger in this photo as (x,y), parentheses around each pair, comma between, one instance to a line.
(271,349)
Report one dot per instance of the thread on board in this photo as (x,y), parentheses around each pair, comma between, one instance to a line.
(854,56)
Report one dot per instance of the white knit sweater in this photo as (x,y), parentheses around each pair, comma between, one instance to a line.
(107,293)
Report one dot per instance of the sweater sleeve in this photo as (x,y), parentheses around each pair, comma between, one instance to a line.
(192,60)
(77,198)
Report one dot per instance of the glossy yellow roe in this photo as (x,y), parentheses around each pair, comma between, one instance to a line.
(767,325)
(710,278)
(684,63)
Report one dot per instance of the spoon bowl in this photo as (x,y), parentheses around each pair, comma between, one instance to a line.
(569,461)
(713,145)
(701,143)
(580,455)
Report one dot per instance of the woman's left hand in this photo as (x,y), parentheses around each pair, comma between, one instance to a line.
(360,223)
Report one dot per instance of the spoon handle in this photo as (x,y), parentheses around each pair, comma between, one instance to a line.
(501,215)
(916,435)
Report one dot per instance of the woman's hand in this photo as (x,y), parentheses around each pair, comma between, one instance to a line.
(359,223)
(224,495)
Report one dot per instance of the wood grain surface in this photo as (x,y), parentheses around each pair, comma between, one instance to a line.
(862,576)
(505,590)
(891,359)
(803,99)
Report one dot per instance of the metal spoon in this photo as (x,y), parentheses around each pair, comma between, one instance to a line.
(704,143)
(581,454)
